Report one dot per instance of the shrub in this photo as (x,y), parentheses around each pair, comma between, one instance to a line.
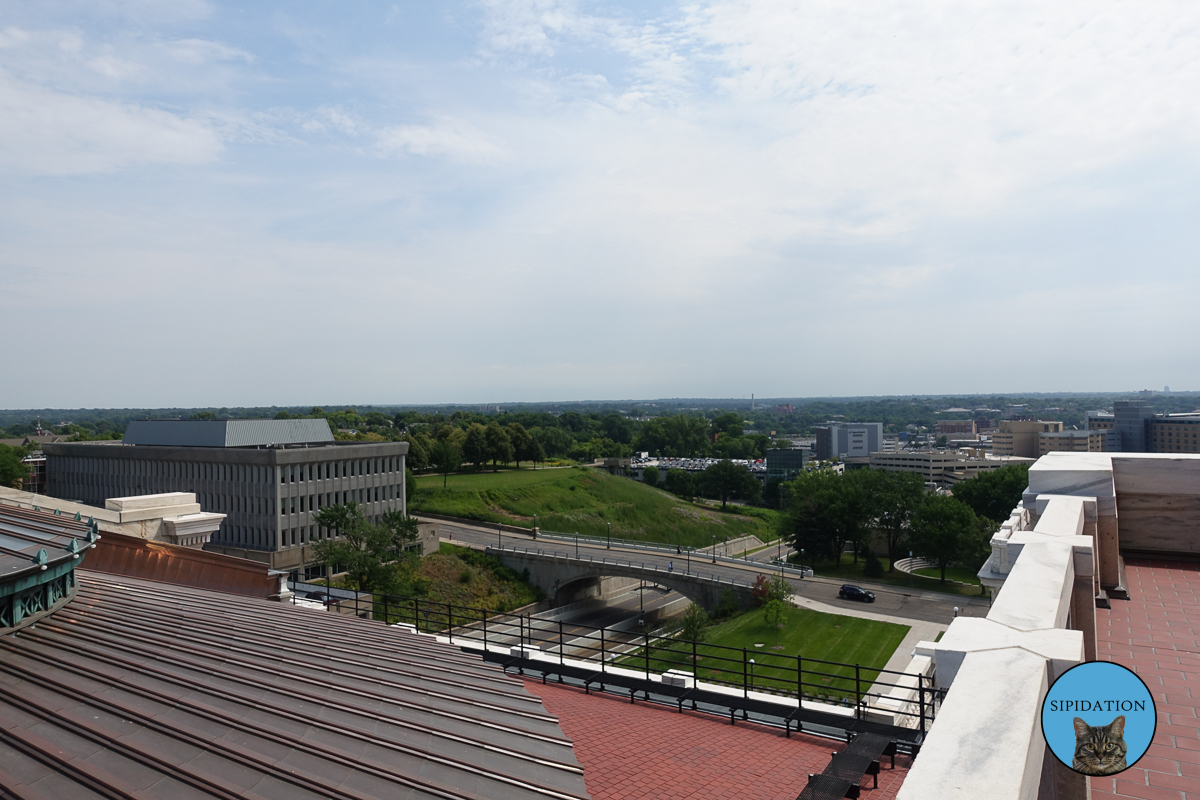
(873,568)
(465,576)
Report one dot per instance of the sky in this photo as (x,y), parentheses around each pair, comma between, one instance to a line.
(211,204)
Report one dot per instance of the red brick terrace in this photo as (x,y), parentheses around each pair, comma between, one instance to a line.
(648,751)
(1156,633)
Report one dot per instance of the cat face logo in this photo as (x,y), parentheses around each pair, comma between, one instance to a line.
(1099,749)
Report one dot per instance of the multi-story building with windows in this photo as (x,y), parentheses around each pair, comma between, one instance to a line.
(267,476)
(1175,433)
(1132,420)
(838,439)
(1020,437)
(942,467)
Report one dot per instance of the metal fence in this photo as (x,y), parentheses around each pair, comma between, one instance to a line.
(793,678)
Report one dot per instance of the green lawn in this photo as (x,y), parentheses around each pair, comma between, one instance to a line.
(585,500)
(952,574)
(810,634)
(853,573)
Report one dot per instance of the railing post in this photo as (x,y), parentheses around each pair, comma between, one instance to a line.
(386,618)
(799,681)
(646,634)
(921,692)
(450,621)
(857,694)
(602,649)
(416,615)
(562,643)
(484,615)
(745,676)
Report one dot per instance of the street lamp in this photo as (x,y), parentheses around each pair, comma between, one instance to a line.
(609,546)
(499,541)
(535,527)
(577,544)
(714,548)
(642,604)
(752,672)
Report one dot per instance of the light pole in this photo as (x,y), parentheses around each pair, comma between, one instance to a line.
(576,544)
(609,546)
(642,604)
(751,672)
(714,548)
(689,560)
(499,541)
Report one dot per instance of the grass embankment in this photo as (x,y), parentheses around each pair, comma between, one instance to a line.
(807,633)
(586,500)
(853,573)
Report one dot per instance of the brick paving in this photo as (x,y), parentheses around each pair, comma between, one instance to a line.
(653,752)
(1156,633)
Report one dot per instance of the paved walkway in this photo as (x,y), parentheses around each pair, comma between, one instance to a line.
(918,629)
(652,752)
(1156,633)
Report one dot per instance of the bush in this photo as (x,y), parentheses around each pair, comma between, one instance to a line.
(695,622)
(873,568)
(465,576)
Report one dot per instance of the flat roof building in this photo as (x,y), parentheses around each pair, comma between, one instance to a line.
(267,477)
(1020,437)
(942,467)
(838,439)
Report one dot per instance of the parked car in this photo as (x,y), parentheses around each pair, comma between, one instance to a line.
(851,592)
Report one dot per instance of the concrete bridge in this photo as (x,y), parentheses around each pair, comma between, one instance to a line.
(589,575)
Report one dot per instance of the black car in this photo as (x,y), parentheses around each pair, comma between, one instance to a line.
(852,592)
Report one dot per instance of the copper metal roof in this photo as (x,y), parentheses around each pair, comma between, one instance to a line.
(148,690)
(182,566)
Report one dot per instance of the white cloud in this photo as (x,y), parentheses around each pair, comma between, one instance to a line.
(203,51)
(44,132)
(450,138)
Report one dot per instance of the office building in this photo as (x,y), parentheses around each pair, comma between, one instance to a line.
(838,439)
(786,464)
(942,467)
(1020,437)
(267,476)
(1100,421)
(1074,442)
(1132,420)
(956,427)
(1175,433)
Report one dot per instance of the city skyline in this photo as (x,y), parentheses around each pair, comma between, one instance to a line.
(211,204)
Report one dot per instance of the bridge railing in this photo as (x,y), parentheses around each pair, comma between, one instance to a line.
(686,553)
(858,692)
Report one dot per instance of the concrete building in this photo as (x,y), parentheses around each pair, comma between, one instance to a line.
(942,467)
(1132,420)
(786,464)
(838,439)
(1100,421)
(267,477)
(956,427)
(1175,433)
(1020,437)
(1071,442)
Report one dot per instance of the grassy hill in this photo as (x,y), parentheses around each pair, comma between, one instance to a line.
(585,500)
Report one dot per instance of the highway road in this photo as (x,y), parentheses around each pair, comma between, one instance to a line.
(890,600)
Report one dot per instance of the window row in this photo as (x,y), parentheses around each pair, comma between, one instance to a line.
(339,469)
(315,502)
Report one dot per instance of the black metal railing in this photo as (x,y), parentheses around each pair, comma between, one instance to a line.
(790,678)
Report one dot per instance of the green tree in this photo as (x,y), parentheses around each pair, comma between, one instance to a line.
(996,493)
(695,624)
(445,458)
(823,512)
(410,486)
(650,476)
(283,415)
(475,446)
(893,497)
(523,445)
(499,446)
(364,549)
(943,530)
(12,471)
(680,483)
(729,423)
(725,479)
(774,613)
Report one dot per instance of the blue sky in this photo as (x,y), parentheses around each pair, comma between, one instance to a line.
(230,204)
